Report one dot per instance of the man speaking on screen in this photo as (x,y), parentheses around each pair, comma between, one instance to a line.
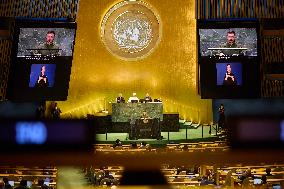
(230,48)
(49,47)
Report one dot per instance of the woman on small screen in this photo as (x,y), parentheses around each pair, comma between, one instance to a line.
(229,78)
(42,80)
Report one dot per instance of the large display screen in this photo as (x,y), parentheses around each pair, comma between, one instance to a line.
(225,79)
(228,58)
(231,38)
(41,60)
(46,41)
(228,42)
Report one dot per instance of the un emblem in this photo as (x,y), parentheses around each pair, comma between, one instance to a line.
(131,30)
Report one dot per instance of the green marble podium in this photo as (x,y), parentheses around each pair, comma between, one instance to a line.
(124,112)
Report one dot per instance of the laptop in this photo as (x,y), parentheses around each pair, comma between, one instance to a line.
(12,183)
(276,186)
(29,184)
(46,183)
(257,181)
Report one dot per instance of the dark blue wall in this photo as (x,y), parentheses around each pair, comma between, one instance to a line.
(249,107)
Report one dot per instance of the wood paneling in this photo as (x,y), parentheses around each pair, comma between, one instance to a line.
(239,8)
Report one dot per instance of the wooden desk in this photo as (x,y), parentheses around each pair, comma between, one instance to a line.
(186,182)
(186,176)
(30,175)
(150,129)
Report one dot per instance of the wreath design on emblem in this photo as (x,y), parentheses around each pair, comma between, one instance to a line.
(131,30)
(132,34)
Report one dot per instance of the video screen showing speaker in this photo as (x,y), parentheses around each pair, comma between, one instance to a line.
(228,58)
(46,41)
(231,39)
(225,79)
(41,60)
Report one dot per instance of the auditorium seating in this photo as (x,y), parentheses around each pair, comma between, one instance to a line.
(32,174)
(217,146)
(187,177)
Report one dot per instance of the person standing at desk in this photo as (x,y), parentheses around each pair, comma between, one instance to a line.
(221,121)
(133,98)
(145,117)
(147,98)
(120,98)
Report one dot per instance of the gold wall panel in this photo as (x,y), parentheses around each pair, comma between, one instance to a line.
(169,73)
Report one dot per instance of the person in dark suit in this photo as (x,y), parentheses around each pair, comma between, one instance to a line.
(120,98)
(49,47)
(231,47)
(56,112)
(229,78)
(42,185)
(23,185)
(42,80)
(221,121)
(6,182)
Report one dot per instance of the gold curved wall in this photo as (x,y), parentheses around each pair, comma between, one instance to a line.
(169,73)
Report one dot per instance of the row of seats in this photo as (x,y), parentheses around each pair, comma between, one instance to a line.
(15,174)
(199,175)
(199,146)
(189,147)
(122,148)
(103,176)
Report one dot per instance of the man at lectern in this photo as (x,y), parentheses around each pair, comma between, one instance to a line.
(145,117)
(147,98)
(120,98)
(133,98)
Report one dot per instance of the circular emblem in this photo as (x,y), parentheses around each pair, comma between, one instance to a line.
(130,30)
